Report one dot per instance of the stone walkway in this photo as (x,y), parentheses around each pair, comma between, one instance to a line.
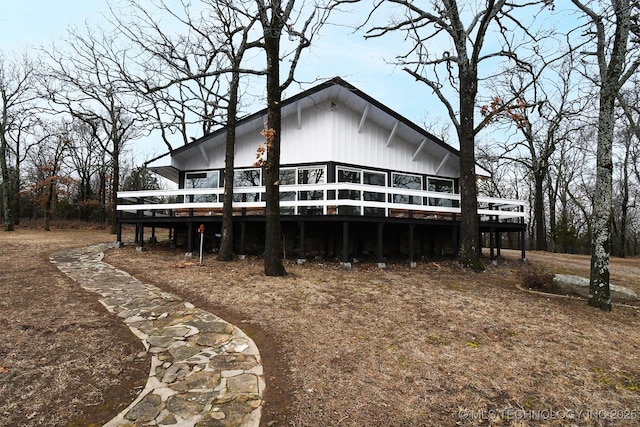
(204,371)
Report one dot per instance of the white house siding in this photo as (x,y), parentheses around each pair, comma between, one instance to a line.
(369,147)
(312,142)
(329,134)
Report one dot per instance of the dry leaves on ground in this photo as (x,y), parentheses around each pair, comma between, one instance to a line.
(434,345)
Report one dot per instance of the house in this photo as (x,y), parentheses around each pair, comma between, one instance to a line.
(357,180)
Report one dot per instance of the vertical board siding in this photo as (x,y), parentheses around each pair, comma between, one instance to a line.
(310,143)
(326,134)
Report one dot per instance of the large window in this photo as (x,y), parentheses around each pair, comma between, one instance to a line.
(353,176)
(379,179)
(411,182)
(441,185)
(311,176)
(203,179)
(365,177)
(306,175)
(287,177)
(247,178)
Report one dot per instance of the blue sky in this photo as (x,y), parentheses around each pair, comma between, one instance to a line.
(336,52)
(37,22)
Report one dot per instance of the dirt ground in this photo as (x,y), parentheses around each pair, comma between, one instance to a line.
(64,361)
(436,345)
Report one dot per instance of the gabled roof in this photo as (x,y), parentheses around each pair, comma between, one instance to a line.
(335,89)
(340,90)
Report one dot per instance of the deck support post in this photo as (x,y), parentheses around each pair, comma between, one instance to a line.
(189,239)
(174,237)
(119,243)
(301,257)
(456,240)
(345,245)
(412,263)
(153,238)
(140,239)
(498,244)
(380,249)
(243,240)
(522,243)
(492,254)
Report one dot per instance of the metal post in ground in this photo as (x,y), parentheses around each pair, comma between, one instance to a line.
(201,231)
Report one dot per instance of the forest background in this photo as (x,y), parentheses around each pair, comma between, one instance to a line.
(78,124)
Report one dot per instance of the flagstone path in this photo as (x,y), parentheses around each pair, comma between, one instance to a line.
(204,371)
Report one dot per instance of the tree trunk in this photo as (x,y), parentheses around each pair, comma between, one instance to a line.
(113,212)
(552,216)
(6,186)
(468,255)
(51,187)
(599,293)
(273,233)
(538,210)
(226,235)
(17,200)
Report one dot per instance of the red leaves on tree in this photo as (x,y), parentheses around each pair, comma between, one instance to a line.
(262,150)
(498,110)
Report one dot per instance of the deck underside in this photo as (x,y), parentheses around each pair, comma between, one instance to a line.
(344,237)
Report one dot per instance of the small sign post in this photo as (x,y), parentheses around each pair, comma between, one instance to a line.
(201,231)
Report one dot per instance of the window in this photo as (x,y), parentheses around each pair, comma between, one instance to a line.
(247,178)
(365,177)
(203,179)
(353,176)
(411,182)
(287,177)
(441,185)
(307,175)
(374,178)
(311,176)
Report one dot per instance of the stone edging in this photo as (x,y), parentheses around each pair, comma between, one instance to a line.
(204,371)
(571,297)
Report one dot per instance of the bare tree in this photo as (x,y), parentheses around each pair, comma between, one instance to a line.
(627,156)
(615,52)
(457,68)
(194,78)
(546,103)
(277,17)
(17,109)
(47,161)
(177,63)
(84,81)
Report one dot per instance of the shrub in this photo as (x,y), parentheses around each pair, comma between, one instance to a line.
(536,278)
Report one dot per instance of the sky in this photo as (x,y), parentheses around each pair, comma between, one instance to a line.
(337,51)
(28,24)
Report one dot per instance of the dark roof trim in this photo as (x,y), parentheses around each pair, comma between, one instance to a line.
(314,90)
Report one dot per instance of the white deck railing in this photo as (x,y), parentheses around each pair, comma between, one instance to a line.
(169,202)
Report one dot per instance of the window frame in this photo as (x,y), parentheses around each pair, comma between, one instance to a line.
(202,198)
(411,200)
